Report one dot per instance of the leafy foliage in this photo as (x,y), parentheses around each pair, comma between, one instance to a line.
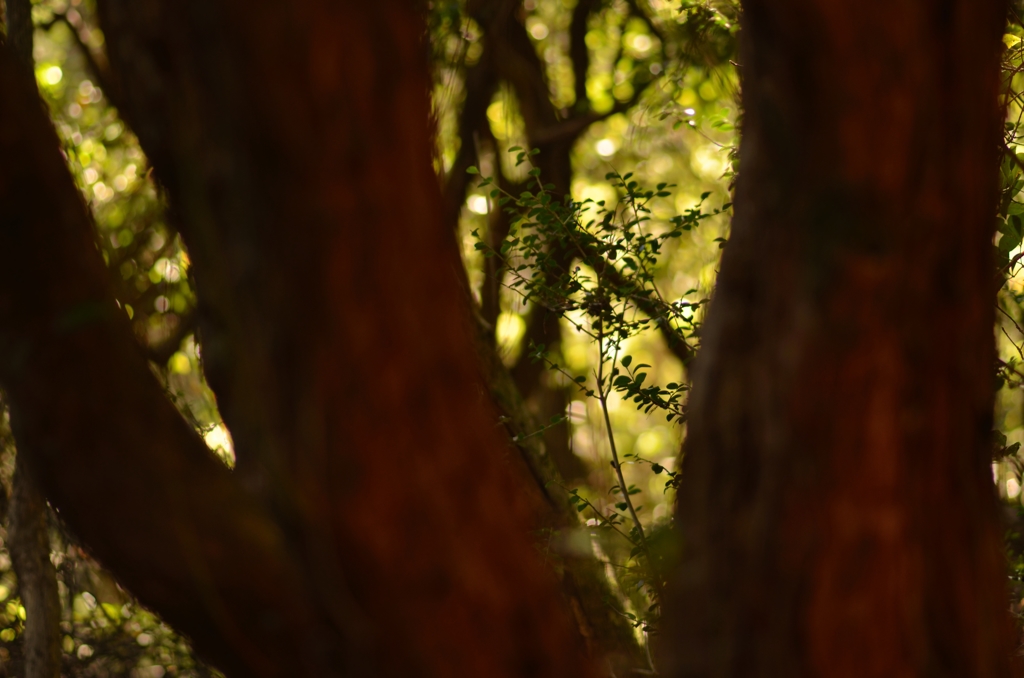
(607,292)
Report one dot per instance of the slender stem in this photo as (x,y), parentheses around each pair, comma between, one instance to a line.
(605,521)
(603,398)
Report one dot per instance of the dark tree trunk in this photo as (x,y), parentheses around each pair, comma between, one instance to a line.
(87,413)
(19,28)
(29,545)
(27,524)
(837,504)
(372,526)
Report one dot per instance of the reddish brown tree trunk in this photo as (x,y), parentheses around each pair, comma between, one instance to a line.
(371,527)
(837,505)
(125,470)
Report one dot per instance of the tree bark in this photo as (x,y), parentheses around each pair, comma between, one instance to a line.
(294,146)
(88,416)
(29,545)
(28,526)
(837,505)
(18,14)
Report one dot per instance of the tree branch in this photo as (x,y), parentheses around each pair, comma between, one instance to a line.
(481,82)
(579,53)
(183,535)
(352,396)
(516,60)
(571,129)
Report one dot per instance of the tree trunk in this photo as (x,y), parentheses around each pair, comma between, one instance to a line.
(19,28)
(28,527)
(29,545)
(372,526)
(837,504)
(87,414)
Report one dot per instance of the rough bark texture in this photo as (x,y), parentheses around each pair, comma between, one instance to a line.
(371,501)
(837,504)
(29,545)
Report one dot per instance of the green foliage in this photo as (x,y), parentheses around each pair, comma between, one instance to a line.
(626,268)
(595,265)
(1008,465)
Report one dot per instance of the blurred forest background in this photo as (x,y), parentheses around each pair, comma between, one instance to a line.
(620,113)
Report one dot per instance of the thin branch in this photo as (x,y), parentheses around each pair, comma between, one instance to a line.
(579,53)
(1015,325)
(617,465)
(645,16)
(573,128)
(481,82)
